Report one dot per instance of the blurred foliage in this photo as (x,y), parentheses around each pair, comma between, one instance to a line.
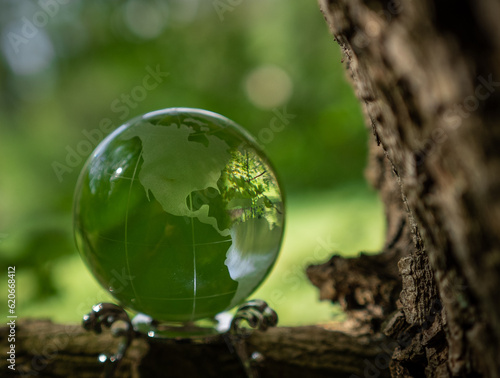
(71,71)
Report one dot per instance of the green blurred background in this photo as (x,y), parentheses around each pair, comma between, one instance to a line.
(71,69)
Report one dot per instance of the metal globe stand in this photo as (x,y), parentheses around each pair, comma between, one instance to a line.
(256,313)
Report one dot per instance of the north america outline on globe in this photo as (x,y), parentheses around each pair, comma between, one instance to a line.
(188,205)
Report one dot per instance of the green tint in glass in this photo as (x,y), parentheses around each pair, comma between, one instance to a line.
(179,214)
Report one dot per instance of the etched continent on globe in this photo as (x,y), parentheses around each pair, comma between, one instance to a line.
(179,214)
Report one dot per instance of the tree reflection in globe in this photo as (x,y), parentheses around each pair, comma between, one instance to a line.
(179,214)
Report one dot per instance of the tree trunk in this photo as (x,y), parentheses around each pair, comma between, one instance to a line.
(426,73)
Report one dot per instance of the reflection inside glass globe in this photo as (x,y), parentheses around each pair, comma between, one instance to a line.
(179,214)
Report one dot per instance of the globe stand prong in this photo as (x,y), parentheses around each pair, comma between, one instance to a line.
(106,314)
(256,313)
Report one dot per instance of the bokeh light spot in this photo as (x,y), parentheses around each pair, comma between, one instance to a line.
(144,19)
(268,87)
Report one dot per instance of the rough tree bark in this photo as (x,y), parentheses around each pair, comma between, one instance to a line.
(427,74)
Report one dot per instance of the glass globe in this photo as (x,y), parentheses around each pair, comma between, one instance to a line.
(178,213)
